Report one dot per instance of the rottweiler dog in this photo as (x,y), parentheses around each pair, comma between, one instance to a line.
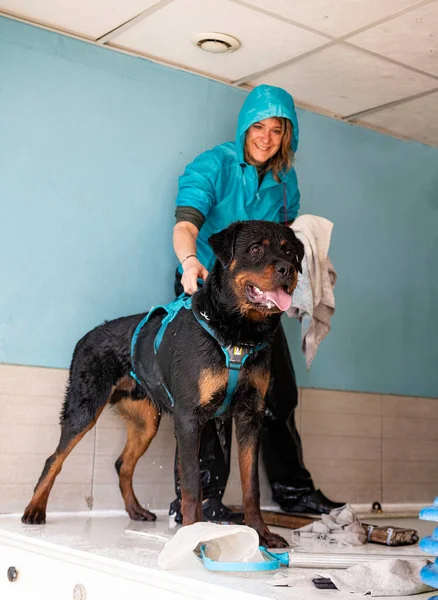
(239,308)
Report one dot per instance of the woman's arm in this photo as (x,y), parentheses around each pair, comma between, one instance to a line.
(196,196)
(184,244)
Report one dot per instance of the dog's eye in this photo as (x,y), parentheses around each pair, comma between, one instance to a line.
(255,249)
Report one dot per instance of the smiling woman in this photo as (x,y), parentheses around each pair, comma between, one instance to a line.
(250,179)
(268,146)
(263,140)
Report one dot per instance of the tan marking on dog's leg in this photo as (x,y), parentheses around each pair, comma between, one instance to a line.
(259,378)
(35,512)
(191,509)
(250,484)
(142,419)
(249,475)
(211,382)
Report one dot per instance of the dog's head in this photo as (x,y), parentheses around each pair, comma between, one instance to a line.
(261,260)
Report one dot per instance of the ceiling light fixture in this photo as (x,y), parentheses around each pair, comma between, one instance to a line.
(217,43)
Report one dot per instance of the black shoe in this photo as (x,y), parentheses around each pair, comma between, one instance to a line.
(313,502)
(175,509)
(212,510)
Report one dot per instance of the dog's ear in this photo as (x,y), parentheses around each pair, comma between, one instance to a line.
(223,243)
(299,247)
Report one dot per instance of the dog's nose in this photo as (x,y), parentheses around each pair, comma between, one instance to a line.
(285,269)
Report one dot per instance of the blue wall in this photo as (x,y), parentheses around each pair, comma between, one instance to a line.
(91,145)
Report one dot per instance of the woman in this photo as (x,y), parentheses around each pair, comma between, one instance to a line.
(251,178)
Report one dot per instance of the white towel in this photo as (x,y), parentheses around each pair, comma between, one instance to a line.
(392,577)
(313,301)
(341,526)
(386,577)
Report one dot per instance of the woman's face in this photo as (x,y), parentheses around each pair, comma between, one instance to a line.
(263,139)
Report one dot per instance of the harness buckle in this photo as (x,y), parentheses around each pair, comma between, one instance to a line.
(235,365)
(236,357)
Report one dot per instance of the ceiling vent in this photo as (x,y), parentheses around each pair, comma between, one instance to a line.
(217,43)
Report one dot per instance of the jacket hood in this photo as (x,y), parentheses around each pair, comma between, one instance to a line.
(263,102)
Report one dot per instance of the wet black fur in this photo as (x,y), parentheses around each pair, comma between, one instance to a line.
(102,358)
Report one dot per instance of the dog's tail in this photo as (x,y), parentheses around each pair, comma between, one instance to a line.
(101,359)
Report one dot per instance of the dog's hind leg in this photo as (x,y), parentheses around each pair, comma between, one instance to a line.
(85,398)
(71,434)
(142,419)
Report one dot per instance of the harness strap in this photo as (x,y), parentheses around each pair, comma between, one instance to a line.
(172,310)
(235,356)
(134,341)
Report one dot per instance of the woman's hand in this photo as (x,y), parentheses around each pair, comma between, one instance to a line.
(184,243)
(192,271)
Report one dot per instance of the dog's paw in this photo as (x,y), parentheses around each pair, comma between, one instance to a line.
(33,515)
(141,514)
(272,540)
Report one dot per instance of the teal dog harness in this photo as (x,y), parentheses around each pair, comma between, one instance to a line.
(235,356)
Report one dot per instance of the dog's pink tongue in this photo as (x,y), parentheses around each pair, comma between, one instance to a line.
(280,298)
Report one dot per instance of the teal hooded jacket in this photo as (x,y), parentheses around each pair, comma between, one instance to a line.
(224,188)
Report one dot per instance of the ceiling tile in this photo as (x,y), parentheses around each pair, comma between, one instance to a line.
(89,18)
(416,119)
(411,38)
(265,40)
(344,80)
(334,17)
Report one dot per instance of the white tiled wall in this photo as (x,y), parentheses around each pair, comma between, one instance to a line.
(358,447)
(342,443)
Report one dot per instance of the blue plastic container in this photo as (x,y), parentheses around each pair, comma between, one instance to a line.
(429,544)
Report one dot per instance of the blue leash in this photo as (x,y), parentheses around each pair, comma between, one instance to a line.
(273,560)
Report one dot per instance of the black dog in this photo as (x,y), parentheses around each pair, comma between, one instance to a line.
(237,312)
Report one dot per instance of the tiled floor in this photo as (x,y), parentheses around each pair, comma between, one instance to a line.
(111,538)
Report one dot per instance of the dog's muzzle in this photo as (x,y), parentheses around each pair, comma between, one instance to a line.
(278,298)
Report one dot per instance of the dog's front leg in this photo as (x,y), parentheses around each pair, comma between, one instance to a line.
(248,430)
(187,433)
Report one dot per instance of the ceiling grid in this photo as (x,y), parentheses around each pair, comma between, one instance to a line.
(370,62)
